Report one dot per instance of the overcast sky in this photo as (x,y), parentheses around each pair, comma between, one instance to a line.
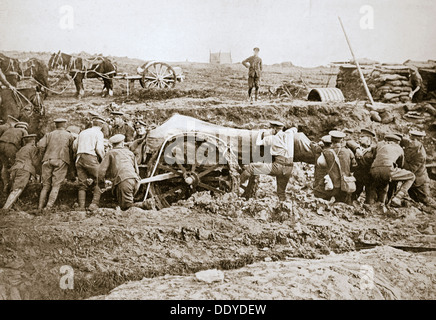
(305,32)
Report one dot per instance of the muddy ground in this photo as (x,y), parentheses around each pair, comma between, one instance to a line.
(112,247)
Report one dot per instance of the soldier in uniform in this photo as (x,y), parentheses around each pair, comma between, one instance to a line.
(89,148)
(56,146)
(10,123)
(254,65)
(339,162)
(323,166)
(121,127)
(388,166)
(417,94)
(415,161)
(26,163)
(138,145)
(10,143)
(119,165)
(4,81)
(105,129)
(282,151)
(363,152)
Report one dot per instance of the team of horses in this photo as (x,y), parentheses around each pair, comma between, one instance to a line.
(80,68)
(27,104)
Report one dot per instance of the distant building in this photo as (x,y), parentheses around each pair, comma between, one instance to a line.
(220,57)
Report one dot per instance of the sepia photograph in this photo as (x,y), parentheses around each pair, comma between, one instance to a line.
(216,155)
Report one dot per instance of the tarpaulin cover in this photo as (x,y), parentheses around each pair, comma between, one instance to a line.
(237,138)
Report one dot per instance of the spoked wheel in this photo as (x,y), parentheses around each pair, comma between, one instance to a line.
(158,75)
(193,162)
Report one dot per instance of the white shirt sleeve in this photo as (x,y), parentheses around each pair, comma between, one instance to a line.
(290,141)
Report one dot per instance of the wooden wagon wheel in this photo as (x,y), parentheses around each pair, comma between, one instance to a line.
(197,161)
(158,75)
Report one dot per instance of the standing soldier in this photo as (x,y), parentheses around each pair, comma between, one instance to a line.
(122,127)
(254,65)
(89,147)
(417,95)
(387,167)
(26,162)
(56,146)
(282,151)
(415,161)
(10,143)
(119,165)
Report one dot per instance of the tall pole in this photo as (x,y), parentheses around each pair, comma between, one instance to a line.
(357,65)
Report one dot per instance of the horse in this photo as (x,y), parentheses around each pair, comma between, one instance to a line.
(23,104)
(16,70)
(80,68)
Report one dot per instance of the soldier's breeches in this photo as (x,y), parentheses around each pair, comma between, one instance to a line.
(281,172)
(7,154)
(125,192)
(87,167)
(53,173)
(420,193)
(20,179)
(405,176)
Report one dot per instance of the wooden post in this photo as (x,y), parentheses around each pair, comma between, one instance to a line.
(357,65)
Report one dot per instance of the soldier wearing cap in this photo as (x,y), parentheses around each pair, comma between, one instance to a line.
(339,162)
(26,165)
(121,127)
(281,145)
(254,65)
(105,129)
(10,123)
(388,167)
(415,161)
(89,148)
(10,143)
(57,150)
(364,154)
(137,146)
(119,165)
(322,168)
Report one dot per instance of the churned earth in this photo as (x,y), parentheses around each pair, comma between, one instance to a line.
(306,248)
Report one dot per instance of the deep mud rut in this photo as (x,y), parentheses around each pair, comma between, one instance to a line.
(113,247)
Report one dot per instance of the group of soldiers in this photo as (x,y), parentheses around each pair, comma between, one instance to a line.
(68,147)
(384,171)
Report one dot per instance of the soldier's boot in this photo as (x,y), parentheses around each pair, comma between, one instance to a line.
(81,200)
(13,196)
(396,201)
(245,175)
(5,179)
(95,199)
(52,197)
(43,197)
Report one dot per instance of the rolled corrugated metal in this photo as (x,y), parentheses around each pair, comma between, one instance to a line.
(326,95)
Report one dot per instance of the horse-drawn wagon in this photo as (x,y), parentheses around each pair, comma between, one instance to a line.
(185,155)
(152,74)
